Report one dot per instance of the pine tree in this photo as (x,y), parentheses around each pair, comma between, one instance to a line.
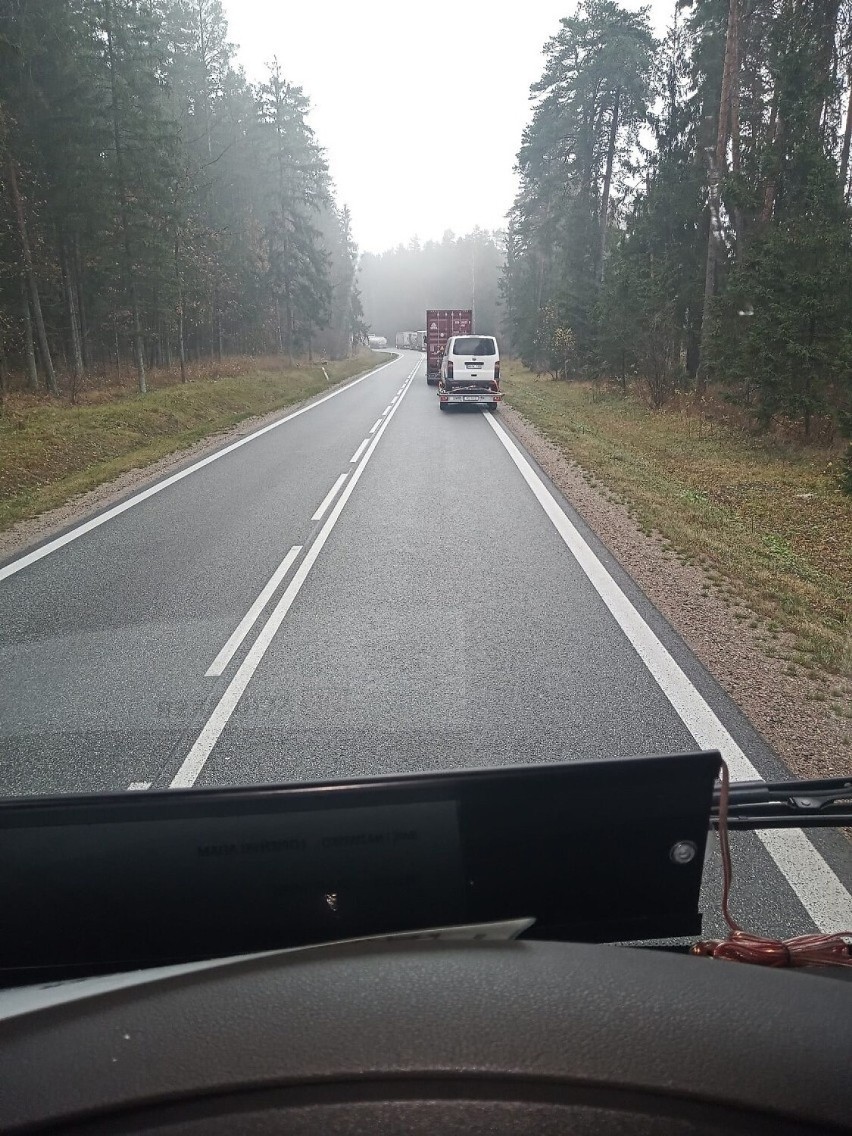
(592,97)
(138,187)
(792,352)
(299,188)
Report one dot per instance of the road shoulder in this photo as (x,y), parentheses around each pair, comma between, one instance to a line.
(26,534)
(786,710)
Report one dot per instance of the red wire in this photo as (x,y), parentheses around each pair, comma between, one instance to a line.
(742,946)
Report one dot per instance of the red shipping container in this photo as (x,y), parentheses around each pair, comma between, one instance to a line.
(441,323)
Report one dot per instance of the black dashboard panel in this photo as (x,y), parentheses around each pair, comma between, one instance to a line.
(595,851)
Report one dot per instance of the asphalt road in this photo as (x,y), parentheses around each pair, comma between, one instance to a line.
(431,601)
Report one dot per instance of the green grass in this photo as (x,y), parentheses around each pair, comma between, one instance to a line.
(765,518)
(51,451)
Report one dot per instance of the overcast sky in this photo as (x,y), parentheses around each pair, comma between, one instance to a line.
(420,106)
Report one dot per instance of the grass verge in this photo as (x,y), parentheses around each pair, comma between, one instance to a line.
(765,519)
(52,451)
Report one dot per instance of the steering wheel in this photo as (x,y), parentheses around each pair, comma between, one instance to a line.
(440,1037)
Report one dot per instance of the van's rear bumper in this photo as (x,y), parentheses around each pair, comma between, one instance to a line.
(471,397)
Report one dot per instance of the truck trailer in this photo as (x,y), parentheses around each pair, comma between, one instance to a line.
(441,323)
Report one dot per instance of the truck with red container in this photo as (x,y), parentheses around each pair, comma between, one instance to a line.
(441,323)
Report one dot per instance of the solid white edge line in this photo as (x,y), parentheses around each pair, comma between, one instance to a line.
(158,487)
(247,622)
(375,427)
(197,757)
(329,497)
(359,451)
(821,893)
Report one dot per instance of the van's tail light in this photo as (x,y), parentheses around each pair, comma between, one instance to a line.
(497,370)
(450,369)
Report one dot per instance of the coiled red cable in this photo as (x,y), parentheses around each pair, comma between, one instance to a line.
(742,946)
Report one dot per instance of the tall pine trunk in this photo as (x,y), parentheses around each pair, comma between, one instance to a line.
(776,132)
(180,308)
(847,138)
(217,328)
(130,280)
(155,351)
(771,189)
(824,13)
(138,341)
(81,302)
(734,123)
(181,343)
(70,300)
(714,236)
(205,81)
(29,346)
(18,209)
(117,348)
(288,321)
(4,375)
(610,158)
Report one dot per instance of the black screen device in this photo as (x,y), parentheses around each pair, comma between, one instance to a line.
(600,851)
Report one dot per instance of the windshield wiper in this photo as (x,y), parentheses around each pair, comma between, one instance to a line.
(825,803)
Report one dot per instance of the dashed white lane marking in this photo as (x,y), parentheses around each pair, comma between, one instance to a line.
(247,622)
(329,497)
(359,451)
(197,757)
(375,426)
(137,786)
(116,510)
(819,890)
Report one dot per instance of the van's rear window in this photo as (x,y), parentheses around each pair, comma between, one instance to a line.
(475,345)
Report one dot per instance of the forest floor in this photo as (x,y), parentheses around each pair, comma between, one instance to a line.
(743,542)
(54,450)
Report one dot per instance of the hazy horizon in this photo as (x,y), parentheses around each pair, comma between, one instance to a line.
(387,127)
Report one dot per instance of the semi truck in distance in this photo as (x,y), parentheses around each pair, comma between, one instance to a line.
(406,340)
(441,323)
(377,341)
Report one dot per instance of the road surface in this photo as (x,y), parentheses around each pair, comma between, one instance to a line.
(366,586)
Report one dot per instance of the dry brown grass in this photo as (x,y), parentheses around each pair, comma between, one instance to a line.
(763,514)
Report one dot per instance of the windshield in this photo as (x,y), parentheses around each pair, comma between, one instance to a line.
(474,345)
(255,530)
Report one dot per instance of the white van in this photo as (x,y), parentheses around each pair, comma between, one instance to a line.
(470,371)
